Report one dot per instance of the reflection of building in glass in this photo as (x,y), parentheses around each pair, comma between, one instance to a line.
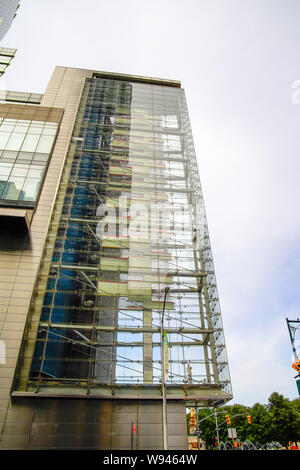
(12,191)
(8,11)
(25,146)
(119,222)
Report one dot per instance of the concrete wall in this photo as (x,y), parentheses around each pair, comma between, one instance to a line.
(43,423)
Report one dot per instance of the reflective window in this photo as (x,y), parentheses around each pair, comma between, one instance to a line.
(30,143)
(125,230)
(4,59)
(24,151)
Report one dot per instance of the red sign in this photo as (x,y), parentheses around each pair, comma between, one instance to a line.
(133,429)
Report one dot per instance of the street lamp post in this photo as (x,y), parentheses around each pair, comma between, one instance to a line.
(217,427)
(163,381)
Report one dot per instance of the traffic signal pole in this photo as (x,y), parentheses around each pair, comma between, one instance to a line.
(217,427)
(227,421)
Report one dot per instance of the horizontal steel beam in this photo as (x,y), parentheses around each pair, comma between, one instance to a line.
(206,393)
(121,329)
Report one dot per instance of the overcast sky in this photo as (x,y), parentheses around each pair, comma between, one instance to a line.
(237,61)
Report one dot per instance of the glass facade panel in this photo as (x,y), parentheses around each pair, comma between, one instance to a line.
(30,143)
(45,144)
(128,243)
(15,141)
(20,97)
(4,136)
(13,188)
(30,189)
(25,147)
(4,59)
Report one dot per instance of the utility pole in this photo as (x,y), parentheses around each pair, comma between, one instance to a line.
(163,379)
(217,428)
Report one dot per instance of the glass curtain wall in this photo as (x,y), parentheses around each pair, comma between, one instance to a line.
(25,147)
(6,56)
(128,223)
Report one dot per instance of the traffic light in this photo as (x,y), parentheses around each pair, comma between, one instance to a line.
(249,419)
(192,417)
(193,421)
(227,417)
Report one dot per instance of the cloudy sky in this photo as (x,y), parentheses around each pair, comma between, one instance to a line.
(238,62)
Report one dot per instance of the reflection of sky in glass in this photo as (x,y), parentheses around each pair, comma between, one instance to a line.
(153,176)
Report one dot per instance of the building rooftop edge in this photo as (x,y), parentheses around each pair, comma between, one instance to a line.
(132,78)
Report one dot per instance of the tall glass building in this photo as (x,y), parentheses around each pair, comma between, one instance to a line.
(114,240)
(8,11)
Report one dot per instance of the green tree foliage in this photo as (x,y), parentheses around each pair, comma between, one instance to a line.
(285,419)
(278,420)
(259,430)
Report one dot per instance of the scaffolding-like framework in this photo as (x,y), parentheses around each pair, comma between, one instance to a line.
(128,222)
(294,328)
